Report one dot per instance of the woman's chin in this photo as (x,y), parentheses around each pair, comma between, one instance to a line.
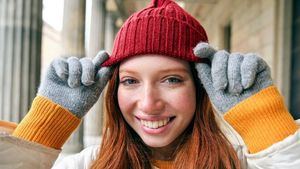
(156,143)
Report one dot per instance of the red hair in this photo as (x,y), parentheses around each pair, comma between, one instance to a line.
(202,145)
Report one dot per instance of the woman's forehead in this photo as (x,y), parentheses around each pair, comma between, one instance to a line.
(152,61)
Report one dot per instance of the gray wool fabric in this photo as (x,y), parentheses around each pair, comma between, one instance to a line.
(231,78)
(75,84)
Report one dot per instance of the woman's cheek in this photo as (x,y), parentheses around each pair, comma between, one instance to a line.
(184,99)
(126,101)
(122,100)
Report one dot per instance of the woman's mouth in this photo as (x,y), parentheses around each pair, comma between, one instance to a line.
(156,126)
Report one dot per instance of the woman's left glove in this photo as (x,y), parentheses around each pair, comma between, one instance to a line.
(240,87)
(231,78)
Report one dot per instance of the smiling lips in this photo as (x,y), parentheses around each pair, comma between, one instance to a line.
(155,124)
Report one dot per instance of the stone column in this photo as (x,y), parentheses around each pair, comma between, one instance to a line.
(283,47)
(73,45)
(20,56)
(111,30)
(93,120)
(73,28)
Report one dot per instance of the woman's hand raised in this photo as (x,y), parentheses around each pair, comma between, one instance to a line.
(75,84)
(231,78)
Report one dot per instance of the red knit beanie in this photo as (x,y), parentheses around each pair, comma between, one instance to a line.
(162,28)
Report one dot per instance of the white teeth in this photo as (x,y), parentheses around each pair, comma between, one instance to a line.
(155,124)
(161,123)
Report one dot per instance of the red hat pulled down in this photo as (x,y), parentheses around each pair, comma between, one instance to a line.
(162,28)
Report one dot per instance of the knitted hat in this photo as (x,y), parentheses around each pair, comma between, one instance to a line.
(161,28)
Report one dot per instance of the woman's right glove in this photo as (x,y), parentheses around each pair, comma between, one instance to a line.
(69,89)
(76,84)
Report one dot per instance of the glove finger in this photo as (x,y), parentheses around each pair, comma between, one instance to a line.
(103,75)
(88,71)
(60,66)
(263,76)
(219,70)
(234,73)
(249,69)
(204,50)
(204,74)
(262,64)
(101,57)
(263,79)
(75,71)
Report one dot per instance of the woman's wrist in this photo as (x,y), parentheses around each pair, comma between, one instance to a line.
(261,119)
(47,123)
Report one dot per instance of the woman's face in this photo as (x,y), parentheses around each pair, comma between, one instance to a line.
(157,97)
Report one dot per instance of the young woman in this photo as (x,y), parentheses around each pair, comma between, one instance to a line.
(167,105)
(161,113)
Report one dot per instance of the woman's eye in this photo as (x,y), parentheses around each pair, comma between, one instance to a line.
(127,82)
(173,80)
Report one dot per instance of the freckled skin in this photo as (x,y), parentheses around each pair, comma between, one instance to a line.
(153,96)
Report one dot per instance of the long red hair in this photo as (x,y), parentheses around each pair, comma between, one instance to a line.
(202,145)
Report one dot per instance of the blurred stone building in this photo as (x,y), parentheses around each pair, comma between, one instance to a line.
(27,45)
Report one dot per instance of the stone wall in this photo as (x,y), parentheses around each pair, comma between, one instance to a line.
(252,24)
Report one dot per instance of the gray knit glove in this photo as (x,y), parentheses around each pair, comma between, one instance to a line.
(75,84)
(231,78)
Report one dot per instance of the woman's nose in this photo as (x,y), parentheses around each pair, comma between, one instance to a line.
(150,101)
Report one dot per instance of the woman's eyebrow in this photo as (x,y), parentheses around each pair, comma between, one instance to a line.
(169,70)
(127,71)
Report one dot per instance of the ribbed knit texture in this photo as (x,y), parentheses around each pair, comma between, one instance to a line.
(262,119)
(163,28)
(47,123)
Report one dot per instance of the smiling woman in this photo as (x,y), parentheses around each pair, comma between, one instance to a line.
(172,101)
(159,113)
(162,100)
